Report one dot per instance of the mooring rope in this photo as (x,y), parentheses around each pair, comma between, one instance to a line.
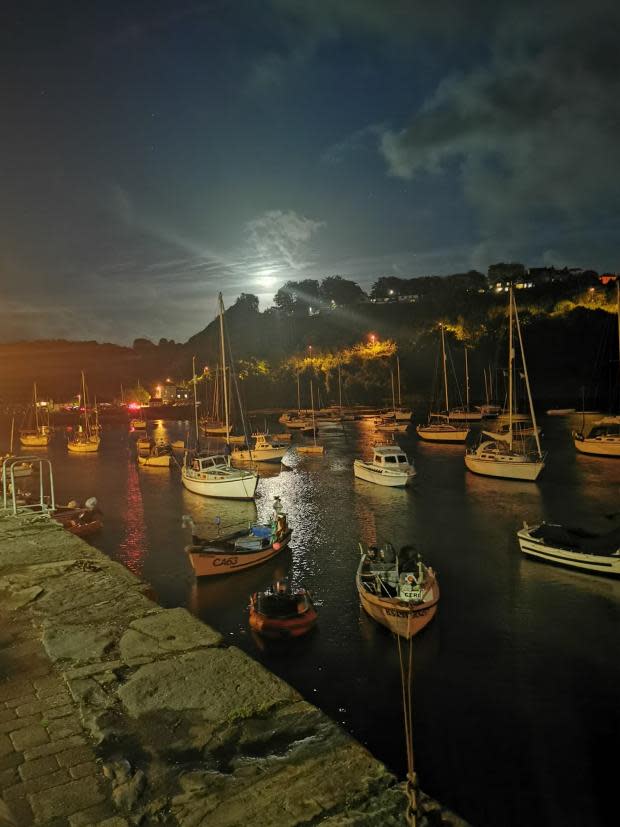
(406,678)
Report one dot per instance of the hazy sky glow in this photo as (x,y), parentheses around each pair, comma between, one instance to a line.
(153,153)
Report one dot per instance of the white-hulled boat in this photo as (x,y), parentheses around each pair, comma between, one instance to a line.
(466,412)
(212,475)
(520,430)
(38,436)
(266,449)
(389,466)
(510,458)
(573,547)
(560,411)
(439,428)
(391,422)
(86,439)
(603,438)
(398,591)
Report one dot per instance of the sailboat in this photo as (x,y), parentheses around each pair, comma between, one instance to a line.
(86,440)
(315,448)
(399,411)
(212,474)
(439,428)
(465,413)
(213,425)
(510,458)
(603,437)
(391,422)
(39,436)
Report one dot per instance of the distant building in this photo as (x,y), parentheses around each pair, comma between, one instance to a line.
(608,278)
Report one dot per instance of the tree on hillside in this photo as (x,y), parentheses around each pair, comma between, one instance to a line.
(298,296)
(339,291)
(247,301)
(387,286)
(502,271)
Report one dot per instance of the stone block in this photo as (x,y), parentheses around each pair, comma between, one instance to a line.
(40,766)
(64,727)
(35,785)
(6,745)
(76,755)
(18,723)
(20,700)
(51,685)
(30,736)
(8,778)
(87,768)
(38,706)
(6,715)
(67,799)
(92,815)
(159,633)
(79,644)
(54,747)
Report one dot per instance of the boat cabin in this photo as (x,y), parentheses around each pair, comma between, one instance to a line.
(202,464)
(389,456)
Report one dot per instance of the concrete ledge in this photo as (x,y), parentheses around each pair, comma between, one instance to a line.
(185,730)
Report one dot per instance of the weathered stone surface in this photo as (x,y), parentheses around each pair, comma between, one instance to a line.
(174,630)
(40,766)
(80,644)
(66,799)
(126,795)
(21,598)
(225,684)
(30,736)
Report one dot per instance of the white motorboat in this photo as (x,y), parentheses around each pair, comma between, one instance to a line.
(265,449)
(573,547)
(389,466)
(439,428)
(510,458)
(213,475)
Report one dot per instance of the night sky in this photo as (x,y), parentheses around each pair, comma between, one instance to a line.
(155,152)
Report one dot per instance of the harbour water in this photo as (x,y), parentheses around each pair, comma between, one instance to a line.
(515,692)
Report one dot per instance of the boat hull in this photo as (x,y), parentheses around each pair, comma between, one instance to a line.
(430,434)
(512,469)
(596,564)
(242,487)
(392,479)
(401,618)
(210,562)
(155,462)
(281,628)
(38,441)
(267,455)
(84,447)
(598,446)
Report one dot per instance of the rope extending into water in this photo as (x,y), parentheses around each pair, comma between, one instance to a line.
(406,679)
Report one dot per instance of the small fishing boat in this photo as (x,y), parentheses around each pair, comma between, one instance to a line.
(573,547)
(397,590)
(80,520)
(137,424)
(389,466)
(241,549)
(158,455)
(280,612)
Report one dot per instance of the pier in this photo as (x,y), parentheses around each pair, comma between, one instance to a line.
(115,711)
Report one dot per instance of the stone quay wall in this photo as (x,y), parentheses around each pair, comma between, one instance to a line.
(115,711)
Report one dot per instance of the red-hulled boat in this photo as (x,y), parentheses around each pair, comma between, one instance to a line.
(80,520)
(279,612)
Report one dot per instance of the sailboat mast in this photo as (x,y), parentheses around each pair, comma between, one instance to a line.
(36,409)
(85,405)
(221,302)
(298,395)
(339,390)
(398,374)
(445,370)
(510,360)
(195,401)
(12,433)
(393,399)
(466,381)
(527,384)
(312,407)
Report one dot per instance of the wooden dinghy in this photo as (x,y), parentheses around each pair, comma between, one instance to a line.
(397,590)
(82,520)
(241,549)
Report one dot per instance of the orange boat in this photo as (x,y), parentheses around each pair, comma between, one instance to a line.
(396,590)
(240,550)
(280,613)
(80,520)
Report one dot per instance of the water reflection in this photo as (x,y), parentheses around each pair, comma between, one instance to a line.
(133,547)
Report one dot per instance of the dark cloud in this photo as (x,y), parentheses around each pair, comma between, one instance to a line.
(533,132)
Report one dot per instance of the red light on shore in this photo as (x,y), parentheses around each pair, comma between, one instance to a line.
(133,406)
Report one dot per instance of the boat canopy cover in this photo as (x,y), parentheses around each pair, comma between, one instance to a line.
(579,539)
